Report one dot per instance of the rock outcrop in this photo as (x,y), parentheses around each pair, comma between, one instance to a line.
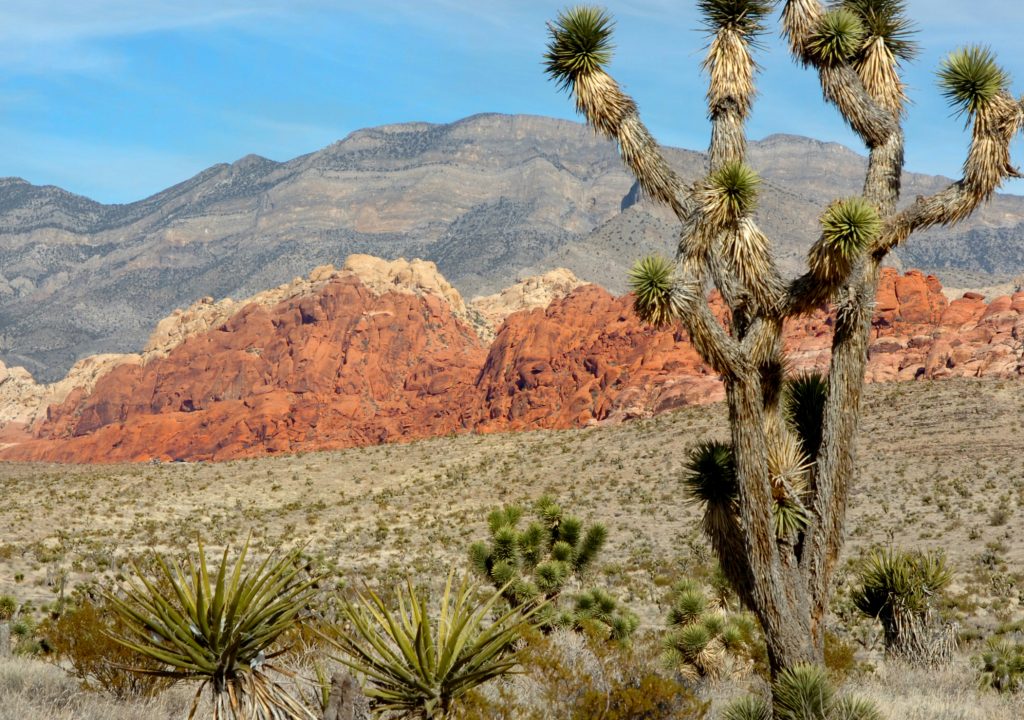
(380,352)
(342,367)
(538,291)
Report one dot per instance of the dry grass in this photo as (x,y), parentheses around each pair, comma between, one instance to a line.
(939,467)
(33,690)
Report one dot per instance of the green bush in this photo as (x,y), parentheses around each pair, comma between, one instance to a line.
(83,638)
(901,590)
(704,640)
(803,692)
(8,606)
(534,565)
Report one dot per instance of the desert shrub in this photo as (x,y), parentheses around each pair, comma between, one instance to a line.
(901,590)
(840,656)
(537,564)
(579,676)
(420,668)
(706,641)
(1002,665)
(803,692)
(8,606)
(83,638)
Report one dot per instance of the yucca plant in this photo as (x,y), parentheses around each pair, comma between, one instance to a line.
(971,79)
(415,668)
(1002,665)
(703,640)
(900,589)
(802,692)
(218,627)
(650,281)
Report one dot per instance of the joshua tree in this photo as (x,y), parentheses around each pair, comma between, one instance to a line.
(856,47)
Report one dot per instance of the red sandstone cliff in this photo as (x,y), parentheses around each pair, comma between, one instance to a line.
(350,365)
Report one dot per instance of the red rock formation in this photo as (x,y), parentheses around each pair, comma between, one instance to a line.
(345,366)
(340,368)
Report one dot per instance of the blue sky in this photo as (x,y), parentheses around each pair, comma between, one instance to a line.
(118,99)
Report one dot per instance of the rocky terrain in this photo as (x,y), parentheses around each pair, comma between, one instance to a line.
(385,351)
(489,199)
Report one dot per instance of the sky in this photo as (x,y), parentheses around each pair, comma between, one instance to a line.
(119,99)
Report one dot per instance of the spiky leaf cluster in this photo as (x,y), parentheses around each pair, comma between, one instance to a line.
(891,581)
(804,398)
(731,193)
(702,639)
(749,707)
(848,228)
(710,474)
(802,692)
(535,564)
(597,606)
(217,627)
(710,478)
(418,668)
(886,19)
(837,38)
(1002,665)
(745,17)
(579,43)
(970,78)
(651,280)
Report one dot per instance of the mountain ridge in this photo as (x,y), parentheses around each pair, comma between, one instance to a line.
(490,198)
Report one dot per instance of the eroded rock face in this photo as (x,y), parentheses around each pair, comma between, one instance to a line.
(533,292)
(380,352)
(23,401)
(342,367)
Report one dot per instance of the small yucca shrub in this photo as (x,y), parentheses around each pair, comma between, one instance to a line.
(900,590)
(802,692)
(416,667)
(217,627)
(704,641)
(538,563)
(1001,665)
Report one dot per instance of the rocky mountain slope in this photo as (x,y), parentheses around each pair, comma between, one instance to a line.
(384,351)
(489,199)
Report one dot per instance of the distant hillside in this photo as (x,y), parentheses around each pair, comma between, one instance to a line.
(489,199)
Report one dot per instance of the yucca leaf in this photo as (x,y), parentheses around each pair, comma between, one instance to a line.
(970,78)
(745,17)
(651,280)
(580,42)
(837,37)
(886,19)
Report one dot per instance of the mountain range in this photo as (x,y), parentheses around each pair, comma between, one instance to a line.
(384,351)
(489,199)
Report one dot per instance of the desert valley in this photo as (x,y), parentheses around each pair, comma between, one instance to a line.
(520,418)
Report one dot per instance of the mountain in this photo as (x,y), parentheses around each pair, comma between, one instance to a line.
(489,199)
(388,351)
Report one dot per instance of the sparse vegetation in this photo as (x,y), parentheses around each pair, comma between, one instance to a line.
(617,476)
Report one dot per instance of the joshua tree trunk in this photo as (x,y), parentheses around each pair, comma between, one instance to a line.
(778,522)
